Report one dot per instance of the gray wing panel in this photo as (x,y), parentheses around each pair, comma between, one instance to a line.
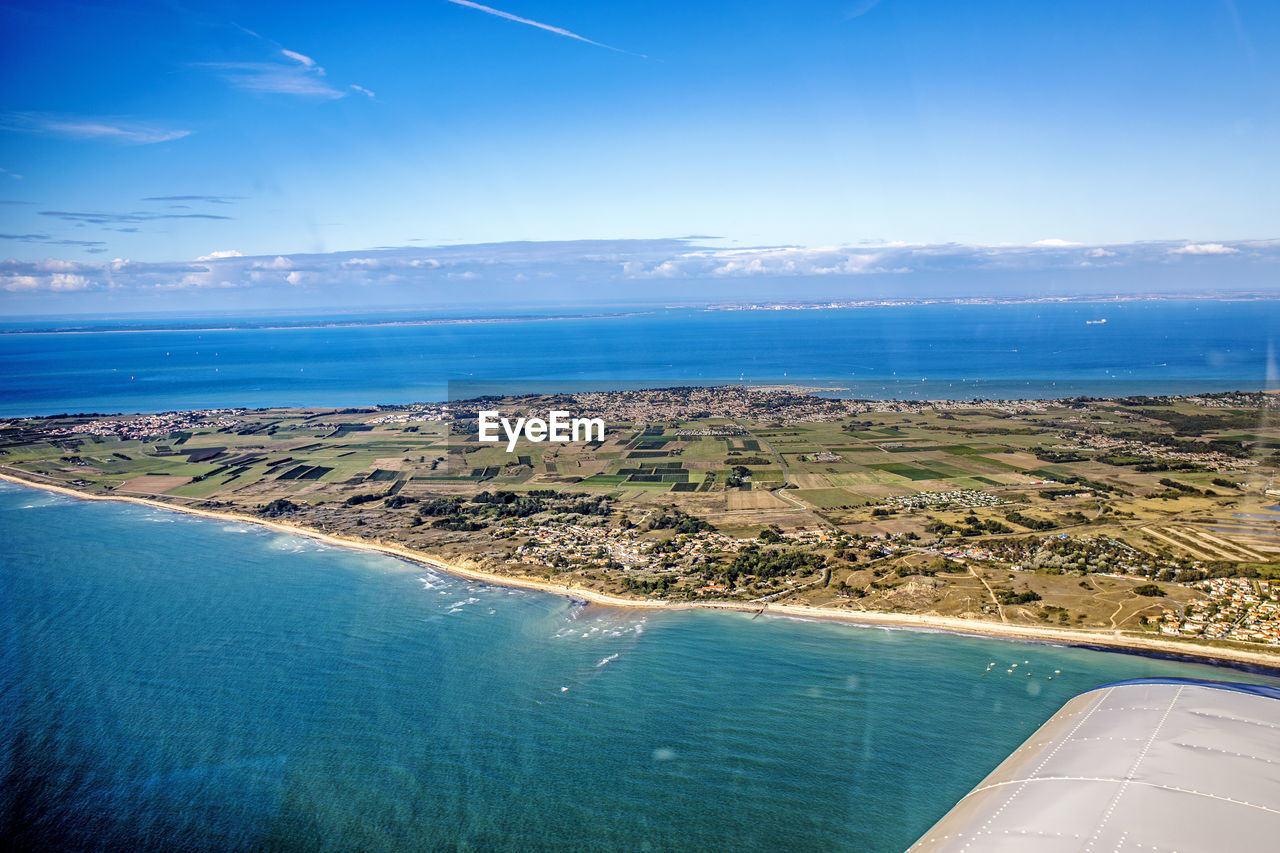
(1138,766)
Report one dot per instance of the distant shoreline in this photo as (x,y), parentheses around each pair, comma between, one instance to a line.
(1081,638)
(892,302)
(341,321)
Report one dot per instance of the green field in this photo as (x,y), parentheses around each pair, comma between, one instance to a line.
(911,472)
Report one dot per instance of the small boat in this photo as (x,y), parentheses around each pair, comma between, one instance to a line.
(1101,322)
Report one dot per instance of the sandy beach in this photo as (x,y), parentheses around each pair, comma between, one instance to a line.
(1073,637)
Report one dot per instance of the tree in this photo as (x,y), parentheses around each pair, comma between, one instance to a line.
(1008,596)
(279,507)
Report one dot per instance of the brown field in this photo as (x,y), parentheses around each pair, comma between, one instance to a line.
(753,500)
(152,484)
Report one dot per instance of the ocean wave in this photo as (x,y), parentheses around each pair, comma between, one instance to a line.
(48,501)
(288,544)
(458,606)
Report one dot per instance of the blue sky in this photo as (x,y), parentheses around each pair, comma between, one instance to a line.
(154,134)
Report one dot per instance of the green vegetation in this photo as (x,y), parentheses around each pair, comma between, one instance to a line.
(752,562)
(1008,596)
(679,522)
(279,507)
(1029,522)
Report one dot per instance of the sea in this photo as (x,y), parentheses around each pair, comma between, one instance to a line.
(169,682)
(935,351)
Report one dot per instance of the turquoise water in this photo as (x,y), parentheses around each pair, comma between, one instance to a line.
(169,682)
(931,351)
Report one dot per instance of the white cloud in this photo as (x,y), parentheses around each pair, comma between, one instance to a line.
(58,265)
(1054,243)
(15,283)
(779,261)
(219,255)
(390,263)
(300,75)
(298,57)
(280,262)
(277,78)
(1099,252)
(191,281)
(362,90)
(68,281)
(135,134)
(294,278)
(1204,249)
(49,274)
(70,127)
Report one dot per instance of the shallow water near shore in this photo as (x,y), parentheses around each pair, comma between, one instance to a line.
(171,682)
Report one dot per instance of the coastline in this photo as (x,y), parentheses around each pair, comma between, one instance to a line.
(1084,638)
(647,308)
(335,324)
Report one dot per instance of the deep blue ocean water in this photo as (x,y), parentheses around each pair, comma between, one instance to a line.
(1031,350)
(175,683)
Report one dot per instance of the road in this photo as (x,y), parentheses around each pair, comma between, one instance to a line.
(999,609)
(786,482)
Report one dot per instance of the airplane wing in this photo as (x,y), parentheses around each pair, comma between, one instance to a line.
(1151,765)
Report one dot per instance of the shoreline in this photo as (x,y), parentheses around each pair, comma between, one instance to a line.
(336,324)
(1081,638)
(647,308)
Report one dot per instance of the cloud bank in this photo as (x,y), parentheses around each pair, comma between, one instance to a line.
(616,269)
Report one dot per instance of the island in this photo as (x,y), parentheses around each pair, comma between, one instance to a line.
(1150,523)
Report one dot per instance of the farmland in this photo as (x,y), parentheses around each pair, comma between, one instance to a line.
(1021,511)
